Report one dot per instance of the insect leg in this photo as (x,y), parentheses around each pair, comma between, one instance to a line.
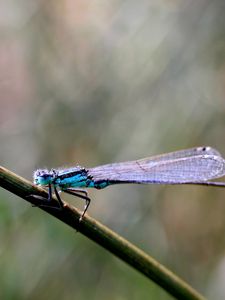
(61,204)
(77,193)
(46,202)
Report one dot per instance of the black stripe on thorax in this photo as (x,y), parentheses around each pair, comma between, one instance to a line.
(73,173)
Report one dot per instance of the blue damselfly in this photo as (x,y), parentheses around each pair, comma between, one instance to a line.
(190,166)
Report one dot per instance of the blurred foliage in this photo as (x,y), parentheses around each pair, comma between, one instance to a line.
(93,82)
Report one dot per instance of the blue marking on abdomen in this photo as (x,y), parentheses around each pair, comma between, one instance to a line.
(101,184)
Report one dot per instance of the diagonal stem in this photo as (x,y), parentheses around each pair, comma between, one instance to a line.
(103,236)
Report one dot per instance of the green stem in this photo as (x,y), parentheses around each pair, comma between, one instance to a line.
(104,237)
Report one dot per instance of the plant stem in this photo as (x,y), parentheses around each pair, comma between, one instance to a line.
(103,236)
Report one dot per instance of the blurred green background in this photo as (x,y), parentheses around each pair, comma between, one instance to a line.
(93,82)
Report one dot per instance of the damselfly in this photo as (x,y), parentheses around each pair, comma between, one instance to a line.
(190,166)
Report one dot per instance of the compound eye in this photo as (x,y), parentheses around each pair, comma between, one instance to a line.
(42,177)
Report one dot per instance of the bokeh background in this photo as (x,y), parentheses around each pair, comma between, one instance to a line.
(92,82)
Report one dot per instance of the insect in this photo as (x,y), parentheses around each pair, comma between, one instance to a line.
(189,166)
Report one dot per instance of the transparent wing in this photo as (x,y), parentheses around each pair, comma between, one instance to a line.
(190,165)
